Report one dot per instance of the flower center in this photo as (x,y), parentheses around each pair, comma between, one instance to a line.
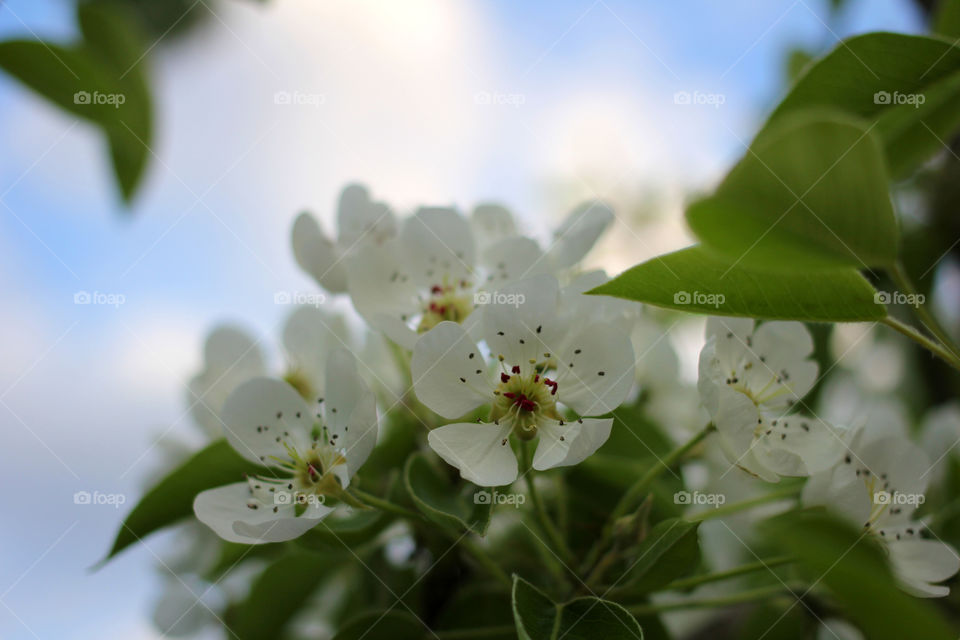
(525,400)
(452,302)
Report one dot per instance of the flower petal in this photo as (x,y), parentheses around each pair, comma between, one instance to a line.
(521,321)
(580,443)
(491,223)
(919,563)
(481,451)
(578,233)
(361,220)
(555,440)
(350,410)
(449,373)
(236,516)
(262,414)
(595,369)
(379,282)
(438,246)
(231,357)
(308,337)
(317,254)
(510,259)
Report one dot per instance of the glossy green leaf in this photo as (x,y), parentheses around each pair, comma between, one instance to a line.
(172,498)
(101,79)
(946,21)
(694,280)
(539,618)
(853,567)
(670,551)
(394,624)
(280,591)
(443,501)
(878,77)
(811,193)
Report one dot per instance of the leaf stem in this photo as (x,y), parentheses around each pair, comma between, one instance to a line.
(899,276)
(639,488)
(696,581)
(743,505)
(925,342)
(753,595)
(546,523)
(385,505)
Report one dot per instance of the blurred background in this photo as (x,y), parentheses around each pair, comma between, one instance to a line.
(262,110)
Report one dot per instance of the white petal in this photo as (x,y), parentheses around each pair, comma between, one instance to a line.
(231,357)
(481,451)
(317,254)
(438,245)
(521,321)
(308,337)
(799,446)
(449,373)
(782,343)
(736,419)
(579,232)
(350,409)
(259,412)
(731,338)
(593,432)
(842,492)
(230,512)
(920,563)
(595,369)
(380,284)
(360,220)
(491,223)
(554,444)
(510,259)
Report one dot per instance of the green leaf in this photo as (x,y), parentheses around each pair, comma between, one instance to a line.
(442,501)
(172,498)
(811,193)
(539,618)
(279,592)
(866,76)
(853,567)
(102,80)
(693,280)
(946,21)
(385,625)
(670,551)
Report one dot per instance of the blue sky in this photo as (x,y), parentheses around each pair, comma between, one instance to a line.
(588,110)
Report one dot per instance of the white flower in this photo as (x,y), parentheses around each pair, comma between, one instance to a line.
(230,357)
(877,485)
(360,221)
(268,422)
(542,364)
(749,379)
(437,269)
(430,273)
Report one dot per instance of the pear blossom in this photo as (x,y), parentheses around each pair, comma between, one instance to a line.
(314,452)
(230,357)
(877,485)
(360,221)
(542,366)
(749,379)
